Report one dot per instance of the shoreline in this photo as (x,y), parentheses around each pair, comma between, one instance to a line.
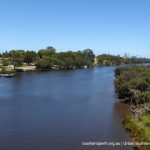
(30,68)
(122,108)
(130,125)
(131,85)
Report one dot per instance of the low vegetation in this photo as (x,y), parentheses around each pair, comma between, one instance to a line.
(139,129)
(132,84)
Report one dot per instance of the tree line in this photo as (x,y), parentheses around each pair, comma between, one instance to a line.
(108,60)
(48,58)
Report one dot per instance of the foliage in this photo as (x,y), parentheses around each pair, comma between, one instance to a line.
(139,129)
(46,52)
(107,60)
(48,58)
(5,62)
(89,55)
(17,57)
(29,57)
(133,83)
(66,60)
(43,63)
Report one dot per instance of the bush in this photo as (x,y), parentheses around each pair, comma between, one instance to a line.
(133,79)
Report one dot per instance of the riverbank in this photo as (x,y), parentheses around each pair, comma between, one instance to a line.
(28,68)
(138,128)
(132,84)
(123,109)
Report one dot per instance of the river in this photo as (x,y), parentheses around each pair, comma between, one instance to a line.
(58,110)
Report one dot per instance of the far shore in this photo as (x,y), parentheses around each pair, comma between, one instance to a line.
(29,68)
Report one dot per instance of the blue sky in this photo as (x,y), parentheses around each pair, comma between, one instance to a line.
(114,26)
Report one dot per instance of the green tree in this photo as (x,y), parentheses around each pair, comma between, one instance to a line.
(88,54)
(46,52)
(17,57)
(5,61)
(29,56)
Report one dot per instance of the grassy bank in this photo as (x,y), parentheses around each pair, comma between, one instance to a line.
(139,129)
